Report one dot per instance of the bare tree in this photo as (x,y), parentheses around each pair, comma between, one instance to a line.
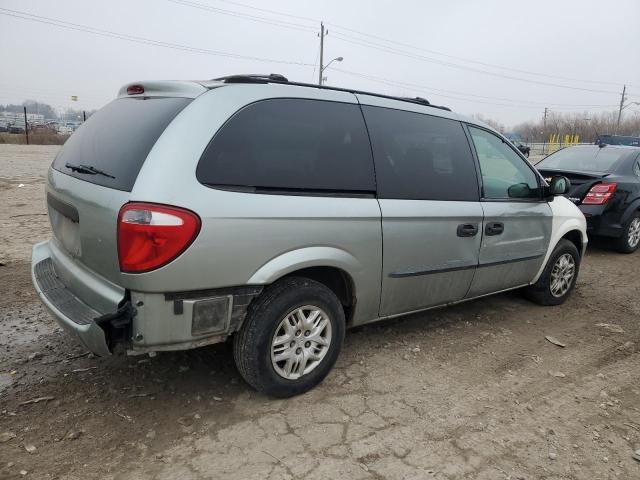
(586,125)
(489,121)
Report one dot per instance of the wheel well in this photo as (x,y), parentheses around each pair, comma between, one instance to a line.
(575,237)
(336,280)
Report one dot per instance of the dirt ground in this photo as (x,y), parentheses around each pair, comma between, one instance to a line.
(474,391)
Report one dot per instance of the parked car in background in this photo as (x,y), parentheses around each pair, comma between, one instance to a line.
(605,184)
(525,149)
(42,128)
(4,125)
(278,214)
(16,127)
(618,140)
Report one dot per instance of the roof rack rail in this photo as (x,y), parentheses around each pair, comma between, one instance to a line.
(277,78)
(254,78)
(424,101)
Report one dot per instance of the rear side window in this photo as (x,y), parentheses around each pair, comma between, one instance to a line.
(117,139)
(291,145)
(420,156)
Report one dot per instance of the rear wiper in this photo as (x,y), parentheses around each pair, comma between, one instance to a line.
(88,169)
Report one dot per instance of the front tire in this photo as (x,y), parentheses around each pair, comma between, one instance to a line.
(630,239)
(291,337)
(559,276)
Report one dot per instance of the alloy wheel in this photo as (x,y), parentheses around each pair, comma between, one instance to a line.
(633,234)
(300,342)
(562,275)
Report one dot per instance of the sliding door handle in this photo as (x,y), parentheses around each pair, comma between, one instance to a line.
(494,228)
(467,230)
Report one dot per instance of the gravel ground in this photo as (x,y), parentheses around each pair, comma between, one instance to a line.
(474,391)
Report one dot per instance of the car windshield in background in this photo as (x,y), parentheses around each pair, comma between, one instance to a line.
(584,159)
(116,140)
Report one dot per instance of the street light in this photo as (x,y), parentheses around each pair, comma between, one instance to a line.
(337,59)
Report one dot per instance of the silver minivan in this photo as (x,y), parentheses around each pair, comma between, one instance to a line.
(278,214)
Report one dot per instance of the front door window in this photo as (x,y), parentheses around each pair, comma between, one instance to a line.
(505,175)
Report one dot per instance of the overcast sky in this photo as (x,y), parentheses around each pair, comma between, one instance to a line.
(503,59)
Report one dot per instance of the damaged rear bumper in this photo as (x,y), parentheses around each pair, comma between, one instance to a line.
(97,331)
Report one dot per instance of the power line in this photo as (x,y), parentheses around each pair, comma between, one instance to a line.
(265,10)
(383,48)
(393,50)
(111,34)
(408,84)
(477,62)
(407,45)
(253,18)
(142,40)
(429,90)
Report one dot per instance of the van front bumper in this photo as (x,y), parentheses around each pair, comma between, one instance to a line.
(75,316)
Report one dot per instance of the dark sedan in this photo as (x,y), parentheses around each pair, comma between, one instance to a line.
(605,184)
(524,149)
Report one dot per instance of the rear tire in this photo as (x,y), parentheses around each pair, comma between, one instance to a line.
(559,276)
(630,239)
(291,337)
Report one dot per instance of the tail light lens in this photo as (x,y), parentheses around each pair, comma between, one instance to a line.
(150,236)
(600,194)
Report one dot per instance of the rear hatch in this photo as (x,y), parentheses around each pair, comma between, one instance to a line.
(585,166)
(95,171)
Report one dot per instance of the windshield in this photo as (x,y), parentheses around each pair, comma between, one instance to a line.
(584,159)
(116,140)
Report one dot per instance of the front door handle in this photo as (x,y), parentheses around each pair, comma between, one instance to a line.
(467,230)
(494,228)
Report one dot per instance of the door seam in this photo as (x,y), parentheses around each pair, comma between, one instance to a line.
(475,271)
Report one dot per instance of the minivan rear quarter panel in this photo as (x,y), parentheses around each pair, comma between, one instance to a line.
(242,233)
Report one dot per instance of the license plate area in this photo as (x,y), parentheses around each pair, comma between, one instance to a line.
(65,223)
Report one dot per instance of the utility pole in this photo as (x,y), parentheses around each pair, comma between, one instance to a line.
(544,128)
(26,129)
(321,68)
(622,99)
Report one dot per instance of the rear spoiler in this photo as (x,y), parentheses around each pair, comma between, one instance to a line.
(571,173)
(162,88)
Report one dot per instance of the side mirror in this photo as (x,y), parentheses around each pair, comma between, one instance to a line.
(559,185)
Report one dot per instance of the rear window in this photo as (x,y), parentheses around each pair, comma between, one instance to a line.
(291,145)
(618,140)
(117,139)
(584,159)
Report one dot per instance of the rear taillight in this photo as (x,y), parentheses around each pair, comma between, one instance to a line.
(600,194)
(150,235)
